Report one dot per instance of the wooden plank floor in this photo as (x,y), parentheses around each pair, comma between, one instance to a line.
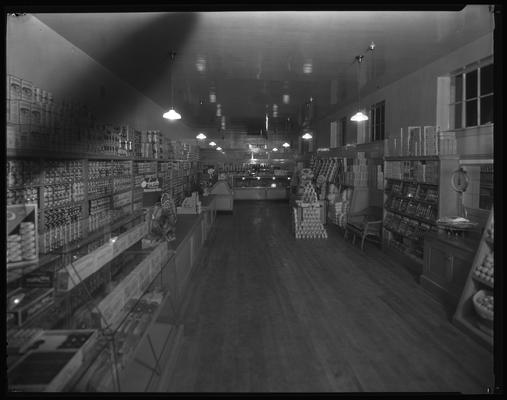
(268,313)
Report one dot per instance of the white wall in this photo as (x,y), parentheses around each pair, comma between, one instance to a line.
(411,101)
(36,53)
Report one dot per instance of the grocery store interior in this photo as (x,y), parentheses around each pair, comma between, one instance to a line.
(225,200)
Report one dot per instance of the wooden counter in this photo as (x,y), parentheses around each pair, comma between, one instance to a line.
(447,262)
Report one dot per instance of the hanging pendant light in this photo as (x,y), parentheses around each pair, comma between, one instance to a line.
(307,136)
(201,136)
(212,144)
(359,116)
(172,114)
(286,145)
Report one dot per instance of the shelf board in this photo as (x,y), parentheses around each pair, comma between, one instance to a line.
(489,241)
(96,196)
(65,205)
(469,325)
(19,187)
(12,275)
(433,203)
(66,154)
(100,232)
(404,235)
(412,158)
(476,278)
(424,220)
(413,181)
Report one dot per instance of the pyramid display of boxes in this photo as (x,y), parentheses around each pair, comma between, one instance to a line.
(307,223)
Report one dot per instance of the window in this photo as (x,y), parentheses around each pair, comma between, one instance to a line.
(333,139)
(472,95)
(343,131)
(377,121)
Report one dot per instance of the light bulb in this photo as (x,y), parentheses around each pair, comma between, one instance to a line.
(275,149)
(212,144)
(307,136)
(219,148)
(201,136)
(286,145)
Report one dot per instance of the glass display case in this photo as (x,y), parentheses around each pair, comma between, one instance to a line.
(260,187)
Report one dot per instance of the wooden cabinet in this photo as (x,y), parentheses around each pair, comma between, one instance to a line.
(447,261)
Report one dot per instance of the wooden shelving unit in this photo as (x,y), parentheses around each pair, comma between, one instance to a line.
(417,191)
(466,316)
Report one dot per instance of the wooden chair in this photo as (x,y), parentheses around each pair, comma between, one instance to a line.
(366,223)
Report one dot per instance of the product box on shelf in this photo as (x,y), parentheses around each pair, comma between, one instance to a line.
(26,91)
(25,113)
(35,110)
(14,88)
(13,114)
(12,136)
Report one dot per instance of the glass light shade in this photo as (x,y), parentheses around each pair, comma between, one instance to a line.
(212,144)
(307,136)
(286,145)
(359,116)
(201,136)
(172,115)
(219,148)
(275,149)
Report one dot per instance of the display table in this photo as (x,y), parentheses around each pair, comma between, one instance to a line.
(224,196)
(260,193)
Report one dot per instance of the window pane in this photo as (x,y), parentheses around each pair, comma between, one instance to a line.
(382,112)
(487,109)
(458,88)
(487,79)
(471,113)
(382,133)
(372,123)
(457,115)
(471,84)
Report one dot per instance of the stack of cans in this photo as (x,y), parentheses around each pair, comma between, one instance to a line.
(14,248)
(27,234)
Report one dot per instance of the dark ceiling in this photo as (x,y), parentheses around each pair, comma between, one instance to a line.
(251,59)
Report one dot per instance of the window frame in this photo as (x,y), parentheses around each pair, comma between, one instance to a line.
(463,101)
(377,130)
